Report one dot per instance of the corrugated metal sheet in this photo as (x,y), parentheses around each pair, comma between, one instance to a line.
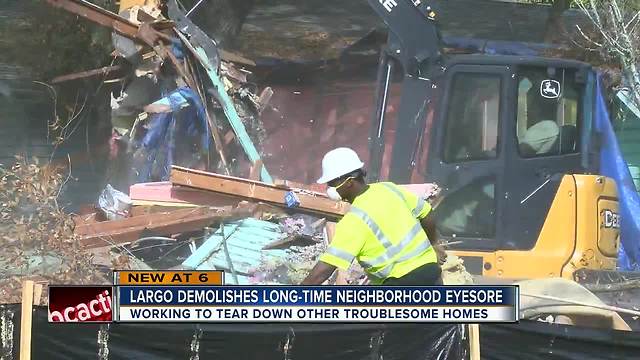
(245,240)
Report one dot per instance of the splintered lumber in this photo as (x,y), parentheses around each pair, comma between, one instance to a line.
(255,190)
(166,194)
(98,15)
(228,108)
(163,223)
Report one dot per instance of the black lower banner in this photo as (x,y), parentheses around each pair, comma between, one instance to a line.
(523,341)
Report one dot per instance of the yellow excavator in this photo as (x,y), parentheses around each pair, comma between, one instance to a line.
(511,141)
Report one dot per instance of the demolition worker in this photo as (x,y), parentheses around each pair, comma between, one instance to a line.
(385,229)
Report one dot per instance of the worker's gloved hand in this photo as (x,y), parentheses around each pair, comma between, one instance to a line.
(442,255)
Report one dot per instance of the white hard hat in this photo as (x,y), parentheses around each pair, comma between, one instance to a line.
(339,162)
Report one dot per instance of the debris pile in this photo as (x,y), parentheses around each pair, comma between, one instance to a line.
(454,272)
(179,100)
(182,101)
(199,221)
(290,269)
(256,235)
(38,241)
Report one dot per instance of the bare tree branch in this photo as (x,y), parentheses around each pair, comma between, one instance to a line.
(617,25)
(587,37)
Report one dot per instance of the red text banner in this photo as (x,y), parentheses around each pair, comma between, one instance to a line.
(81,304)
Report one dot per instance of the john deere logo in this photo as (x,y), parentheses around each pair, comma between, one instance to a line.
(611,219)
(389,5)
(550,89)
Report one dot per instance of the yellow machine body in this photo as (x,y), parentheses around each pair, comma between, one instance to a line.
(581,230)
(127,4)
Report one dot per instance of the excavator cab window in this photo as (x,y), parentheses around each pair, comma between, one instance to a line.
(469,143)
(548,110)
(470,211)
(505,133)
(473,118)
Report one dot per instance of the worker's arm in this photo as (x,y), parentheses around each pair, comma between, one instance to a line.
(347,242)
(429,227)
(319,274)
(421,209)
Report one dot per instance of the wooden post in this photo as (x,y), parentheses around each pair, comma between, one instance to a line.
(37,293)
(26,318)
(474,341)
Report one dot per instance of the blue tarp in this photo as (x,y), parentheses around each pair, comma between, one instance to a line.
(613,165)
(160,140)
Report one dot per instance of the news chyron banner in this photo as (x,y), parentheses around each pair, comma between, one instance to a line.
(201,296)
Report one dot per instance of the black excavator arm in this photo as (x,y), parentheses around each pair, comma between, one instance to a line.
(413,44)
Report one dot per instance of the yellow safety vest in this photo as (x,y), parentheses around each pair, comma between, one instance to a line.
(382,232)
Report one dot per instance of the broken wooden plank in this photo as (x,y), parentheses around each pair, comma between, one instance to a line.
(160,224)
(255,190)
(153,208)
(147,219)
(162,204)
(166,194)
(254,174)
(98,15)
(126,4)
(85,74)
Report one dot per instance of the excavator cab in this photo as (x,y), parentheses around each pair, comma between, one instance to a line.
(510,141)
(513,146)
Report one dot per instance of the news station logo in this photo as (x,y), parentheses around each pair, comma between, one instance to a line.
(81,304)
